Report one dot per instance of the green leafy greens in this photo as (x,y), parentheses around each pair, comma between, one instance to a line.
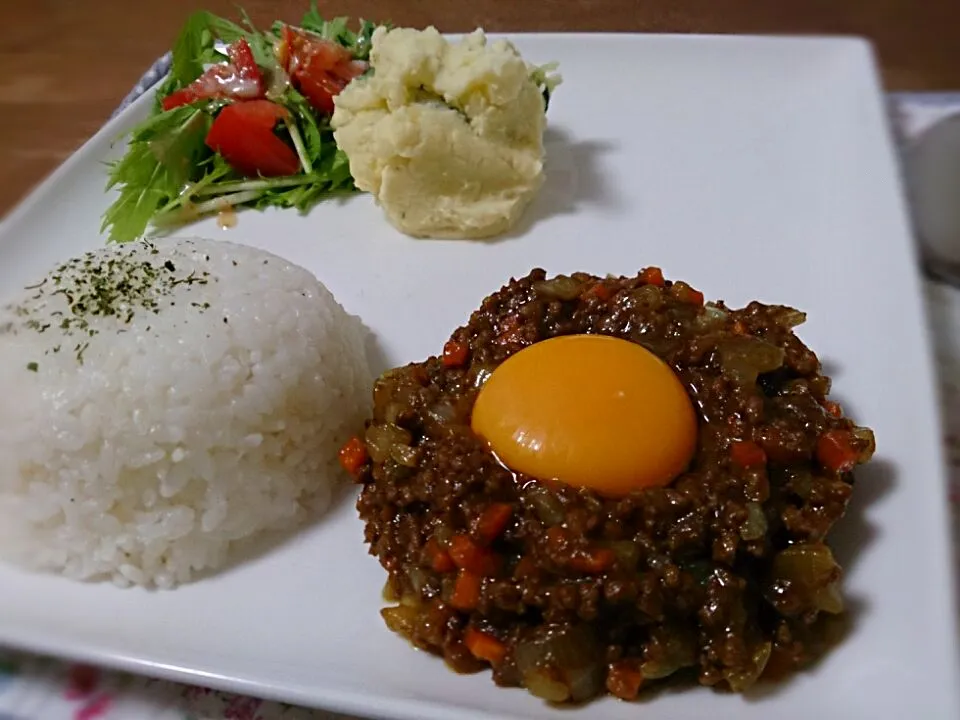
(169,176)
(163,155)
(337,31)
(547,79)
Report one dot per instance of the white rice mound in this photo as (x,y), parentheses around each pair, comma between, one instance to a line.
(209,407)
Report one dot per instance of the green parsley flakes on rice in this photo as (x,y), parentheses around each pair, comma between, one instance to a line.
(163,401)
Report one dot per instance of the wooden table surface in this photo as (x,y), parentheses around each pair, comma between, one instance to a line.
(65,64)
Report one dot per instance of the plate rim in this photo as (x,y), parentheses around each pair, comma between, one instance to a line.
(407,709)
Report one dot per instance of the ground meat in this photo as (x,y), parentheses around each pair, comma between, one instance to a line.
(722,575)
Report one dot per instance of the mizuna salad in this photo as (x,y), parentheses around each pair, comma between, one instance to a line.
(241,120)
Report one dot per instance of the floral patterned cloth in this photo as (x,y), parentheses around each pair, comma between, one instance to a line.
(42,689)
(33,688)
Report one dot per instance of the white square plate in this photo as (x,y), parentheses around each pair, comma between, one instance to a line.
(755,169)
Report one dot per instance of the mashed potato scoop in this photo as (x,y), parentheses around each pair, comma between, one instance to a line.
(448,137)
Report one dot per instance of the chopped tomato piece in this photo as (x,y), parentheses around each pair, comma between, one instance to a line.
(493,521)
(455,353)
(594,560)
(318,68)
(261,113)
(439,558)
(240,79)
(241,57)
(484,646)
(353,456)
(833,409)
(624,680)
(747,454)
(653,276)
(243,134)
(466,590)
(836,451)
(206,87)
(467,555)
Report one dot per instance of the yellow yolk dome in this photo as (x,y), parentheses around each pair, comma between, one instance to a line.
(591,411)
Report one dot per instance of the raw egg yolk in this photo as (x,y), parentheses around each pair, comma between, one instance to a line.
(591,411)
